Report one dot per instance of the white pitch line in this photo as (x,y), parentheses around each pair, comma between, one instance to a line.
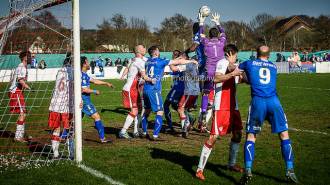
(99,174)
(300,130)
(307,88)
(309,131)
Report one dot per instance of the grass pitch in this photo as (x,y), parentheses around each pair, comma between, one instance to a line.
(306,102)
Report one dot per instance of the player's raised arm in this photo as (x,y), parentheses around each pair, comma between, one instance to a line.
(216,19)
(100,82)
(181,61)
(201,20)
(179,68)
(196,39)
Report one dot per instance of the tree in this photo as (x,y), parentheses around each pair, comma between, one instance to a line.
(322,32)
(239,33)
(137,23)
(175,32)
(260,20)
(119,21)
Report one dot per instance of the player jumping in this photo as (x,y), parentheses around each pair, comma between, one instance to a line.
(213,48)
(226,117)
(16,96)
(261,75)
(88,108)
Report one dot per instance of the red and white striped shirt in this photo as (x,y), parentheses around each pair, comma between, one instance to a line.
(134,72)
(225,92)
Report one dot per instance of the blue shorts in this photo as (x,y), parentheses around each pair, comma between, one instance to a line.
(174,96)
(269,109)
(153,100)
(89,109)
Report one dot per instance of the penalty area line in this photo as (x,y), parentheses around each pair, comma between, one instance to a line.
(308,131)
(99,174)
(301,130)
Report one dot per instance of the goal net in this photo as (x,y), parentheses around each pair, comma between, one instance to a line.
(36,121)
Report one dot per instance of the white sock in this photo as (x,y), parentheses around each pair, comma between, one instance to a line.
(206,151)
(208,115)
(136,123)
(55,146)
(19,134)
(128,122)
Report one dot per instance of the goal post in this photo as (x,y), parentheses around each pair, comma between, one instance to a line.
(77,82)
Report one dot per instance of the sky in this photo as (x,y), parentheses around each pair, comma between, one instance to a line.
(92,12)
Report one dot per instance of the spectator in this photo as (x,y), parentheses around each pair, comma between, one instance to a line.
(125,62)
(93,64)
(304,57)
(42,64)
(313,58)
(99,63)
(118,62)
(280,57)
(252,57)
(34,62)
(326,57)
(108,62)
(294,60)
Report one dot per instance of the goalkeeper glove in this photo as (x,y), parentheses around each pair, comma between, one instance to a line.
(216,18)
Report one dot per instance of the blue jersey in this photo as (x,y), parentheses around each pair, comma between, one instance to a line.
(261,76)
(99,62)
(178,82)
(85,83)
(155,69)
(199,50)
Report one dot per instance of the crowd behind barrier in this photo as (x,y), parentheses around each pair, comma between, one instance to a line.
(111,65)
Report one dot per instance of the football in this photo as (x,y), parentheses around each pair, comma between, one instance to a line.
(205,11)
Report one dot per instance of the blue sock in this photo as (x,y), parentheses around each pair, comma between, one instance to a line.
(144,122)
(248,154)
(158,124)
(64,134)
(168,116)
(205,101)
(100,128)
(287,153)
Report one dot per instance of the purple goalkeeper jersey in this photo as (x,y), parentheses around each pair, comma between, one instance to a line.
(213,49)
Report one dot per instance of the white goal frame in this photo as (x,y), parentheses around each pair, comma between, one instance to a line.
(77,82)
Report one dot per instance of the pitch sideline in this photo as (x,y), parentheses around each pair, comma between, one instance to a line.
(99,174)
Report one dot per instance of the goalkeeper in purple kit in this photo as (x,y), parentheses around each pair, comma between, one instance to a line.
(213,49)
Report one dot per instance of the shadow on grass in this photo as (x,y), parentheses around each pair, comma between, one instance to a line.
(270,177)
(32,146)
(117,110)
(7,134)
(111,130)
(188,162)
